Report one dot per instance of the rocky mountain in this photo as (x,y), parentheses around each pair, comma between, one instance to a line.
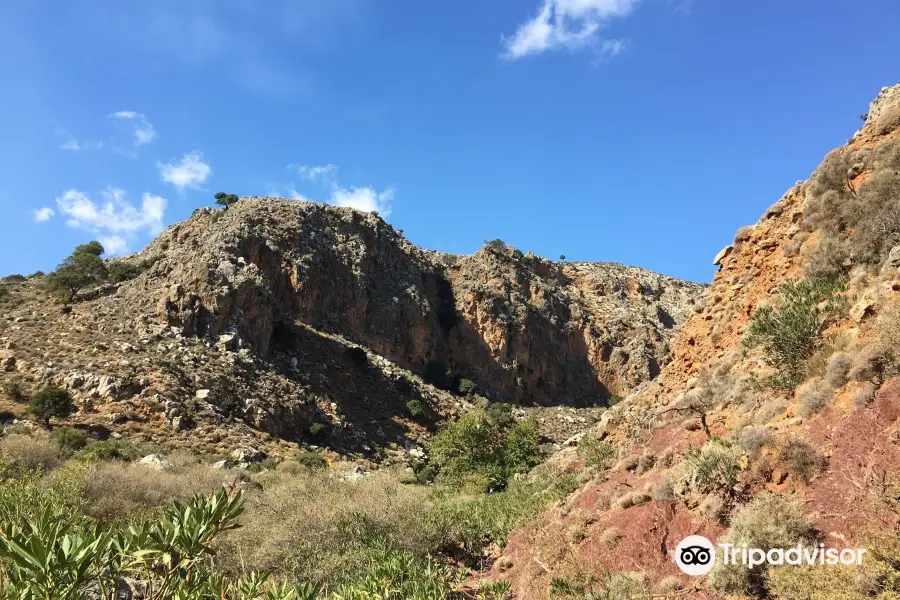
(277,318)
(818,443)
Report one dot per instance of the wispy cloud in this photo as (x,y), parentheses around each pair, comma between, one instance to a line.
(141,128)
(570,25)
(317,173)
(43,214)
(70,143)
(365,198)
(191,171)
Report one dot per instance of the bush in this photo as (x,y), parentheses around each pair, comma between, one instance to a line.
(826,260)
(838,366)
(70,438)
(312,461)
(484,451)
(597,453)
(466,386)
(30,452)
(474,524)
(754,439)
(876,226)
(14,391)
(110,450)
(316,429)
(769,521)
(314,527)
(415,408)
(800,459)
(123,271)
(51,402)
(789,332)
(814,398)
(115,490)
(711,469)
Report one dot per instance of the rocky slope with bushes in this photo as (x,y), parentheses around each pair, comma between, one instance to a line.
(776,421)
(275,323)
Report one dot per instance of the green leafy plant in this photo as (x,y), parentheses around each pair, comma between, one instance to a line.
(70,438)
(790,331)
(51,402)
(79,270)
(485,448)
(415,408)
(123,271)
(226,200)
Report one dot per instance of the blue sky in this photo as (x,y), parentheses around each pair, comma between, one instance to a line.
(637,131)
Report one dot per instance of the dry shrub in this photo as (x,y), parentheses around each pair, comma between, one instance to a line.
(800,459)
(743,234)
(29,452)
(876,223)
(754,439)
(713,507)
(633,499)
(318,527)
(837,369)
(826,259)
(814,396)
(610,537)
(769,410)
(115,489)
(886,156)
(864,395)
(769,521)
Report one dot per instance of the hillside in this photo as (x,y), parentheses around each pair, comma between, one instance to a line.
(239,331)
(803,439)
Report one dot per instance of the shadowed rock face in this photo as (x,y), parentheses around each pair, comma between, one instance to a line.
(525,329)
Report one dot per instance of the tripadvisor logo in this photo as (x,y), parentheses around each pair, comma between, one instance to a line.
(696,555)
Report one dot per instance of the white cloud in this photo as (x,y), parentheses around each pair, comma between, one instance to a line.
(365,199)
(43,214)
(295,195)
(317,173)
(73,145)
(114,245)
(190,172)
(568,24)
(143,130)
(115,215)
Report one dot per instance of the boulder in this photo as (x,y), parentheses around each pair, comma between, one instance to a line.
(892,264)
(247,455)
(154,461)
(717,261)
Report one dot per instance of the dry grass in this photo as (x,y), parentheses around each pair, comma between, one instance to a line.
(317,526)
(114,490)
(29,452)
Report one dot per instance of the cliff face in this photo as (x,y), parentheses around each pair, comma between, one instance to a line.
(841,224)
(245,321)
(524,329)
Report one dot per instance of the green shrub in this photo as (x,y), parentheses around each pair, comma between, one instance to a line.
(481,450)
(826,260)
(312,461)
(216,216)
(79,270)
(713,468)
(70,438)
(316,429)
(466,386)
(596,452)
(14,391)
(769,521)
(415,408)
(51,402)
(110,450)
(123,271)
(226,200)
(790,331)
(473,524)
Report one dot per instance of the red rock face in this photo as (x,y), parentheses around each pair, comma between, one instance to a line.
(525,329)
